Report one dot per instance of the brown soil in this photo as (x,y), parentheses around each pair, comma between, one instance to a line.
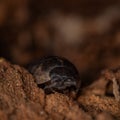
(21,99)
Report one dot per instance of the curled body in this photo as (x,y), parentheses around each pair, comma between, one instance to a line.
(53,73)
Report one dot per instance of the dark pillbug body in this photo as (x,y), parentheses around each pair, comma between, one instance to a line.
(54,73)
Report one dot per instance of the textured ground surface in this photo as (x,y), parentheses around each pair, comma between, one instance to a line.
(20,98)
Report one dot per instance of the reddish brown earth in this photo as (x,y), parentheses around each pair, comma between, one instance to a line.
(20,98)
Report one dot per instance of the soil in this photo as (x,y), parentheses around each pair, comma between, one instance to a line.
(20,98)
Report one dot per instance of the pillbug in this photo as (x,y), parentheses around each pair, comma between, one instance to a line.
(53,73)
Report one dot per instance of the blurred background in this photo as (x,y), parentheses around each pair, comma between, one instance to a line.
(87,32)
